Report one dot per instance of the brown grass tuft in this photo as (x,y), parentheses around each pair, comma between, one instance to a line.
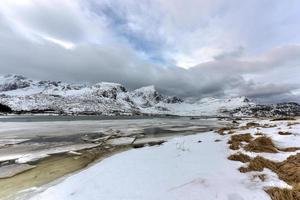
(283,193)
(240,157)
(284,133)
(262,177)
(268,125)
(289,149)
(222,131)
(252,124)
(235,140)
(259,133)
(288,170)
(258,164)
(261,144)
(283,118)
(234,146)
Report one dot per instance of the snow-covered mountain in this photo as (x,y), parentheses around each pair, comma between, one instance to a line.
(271,110)
(25,95)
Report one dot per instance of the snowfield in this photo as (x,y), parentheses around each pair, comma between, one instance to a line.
(183,169)
(194,167)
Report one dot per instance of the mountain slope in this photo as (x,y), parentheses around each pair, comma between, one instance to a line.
(25,95)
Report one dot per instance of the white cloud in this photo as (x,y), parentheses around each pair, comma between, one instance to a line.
(64,44)
(226,47)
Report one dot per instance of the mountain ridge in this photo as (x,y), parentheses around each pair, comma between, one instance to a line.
(24,95)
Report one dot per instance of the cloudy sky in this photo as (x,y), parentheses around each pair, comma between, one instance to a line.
(193,48)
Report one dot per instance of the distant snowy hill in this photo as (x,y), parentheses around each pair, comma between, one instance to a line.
(25,95)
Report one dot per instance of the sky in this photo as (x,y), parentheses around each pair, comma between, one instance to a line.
(188,48)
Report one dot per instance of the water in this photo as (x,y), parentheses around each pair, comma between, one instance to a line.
(32,126)
(50,132)
(47,118)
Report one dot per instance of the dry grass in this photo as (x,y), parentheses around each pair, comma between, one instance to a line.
(225,130)
(288,170)
(257,125)
(292,123)
(283,118)
(258,164)
(268,126)
(284,133)
(234,146)
(262,177)
(252,124)
(265,144)
(235,140)
(259,134)
(289,149)
(240,157)
(261,144)
(284,194)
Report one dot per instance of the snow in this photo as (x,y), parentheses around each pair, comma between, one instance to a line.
(121,141)
(10,141)
(203,107)
(182,168)
(281,141)
(33,156)
(187,167)
(23,94)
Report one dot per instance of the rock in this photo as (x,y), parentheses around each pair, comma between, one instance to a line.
(5,108)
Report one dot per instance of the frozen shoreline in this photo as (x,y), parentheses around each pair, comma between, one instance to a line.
(187,167)
(32,142)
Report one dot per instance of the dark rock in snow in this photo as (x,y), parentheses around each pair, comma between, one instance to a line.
(5,108)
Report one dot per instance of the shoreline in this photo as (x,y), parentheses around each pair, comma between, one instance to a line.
(96,147)
(259,158)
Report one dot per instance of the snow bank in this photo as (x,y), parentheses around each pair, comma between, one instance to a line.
(187,168)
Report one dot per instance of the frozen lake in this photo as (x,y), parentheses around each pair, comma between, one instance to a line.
(31,126)
(44,143)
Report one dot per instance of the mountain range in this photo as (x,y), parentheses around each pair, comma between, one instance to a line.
(19,94)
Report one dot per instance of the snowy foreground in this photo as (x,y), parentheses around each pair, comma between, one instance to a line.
(187,168)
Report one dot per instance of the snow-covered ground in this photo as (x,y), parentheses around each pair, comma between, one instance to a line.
(188,168)
(203,107)
(183,169)
(281,141)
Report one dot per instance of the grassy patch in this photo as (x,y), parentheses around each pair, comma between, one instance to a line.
(288,170)
(240,157)
(284,194)
(283,118)
(284,133)
(258,164)
(236,140)
(261,144)
(225,130)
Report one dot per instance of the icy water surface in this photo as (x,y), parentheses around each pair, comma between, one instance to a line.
(60,145)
